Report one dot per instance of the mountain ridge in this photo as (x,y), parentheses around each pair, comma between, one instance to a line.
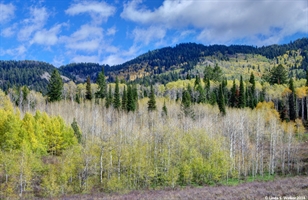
(184,57)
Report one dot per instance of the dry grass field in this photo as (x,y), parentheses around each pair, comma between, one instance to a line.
(286,188)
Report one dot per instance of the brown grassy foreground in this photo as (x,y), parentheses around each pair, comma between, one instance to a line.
(295,187)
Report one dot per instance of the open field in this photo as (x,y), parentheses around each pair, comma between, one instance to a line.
(296,187)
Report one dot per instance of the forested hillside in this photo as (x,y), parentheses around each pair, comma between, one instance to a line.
(30,73)
(164,65)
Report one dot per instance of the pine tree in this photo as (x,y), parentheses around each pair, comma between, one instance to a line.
(190,91)
(101,82)
(88,89)
(207,89)
(221,100)
(135,95)
(77,131)
(152,101)
(55,87)
(278,75)
(131,103)
(242,98)
(253,99)
(201,97)
(234,95)
(116,96)
(186,99)
(164,109)
(124,99)
(292,103)
(197,81)
(109,98)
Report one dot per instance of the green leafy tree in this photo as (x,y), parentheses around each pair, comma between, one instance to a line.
(116,96)
(152,101)
(88,89)
(55,87)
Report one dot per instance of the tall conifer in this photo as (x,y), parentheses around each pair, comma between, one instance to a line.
(292,103)
(88,89)
(242,98)
(55,87)
(102,85)
(116,96)
(152,101)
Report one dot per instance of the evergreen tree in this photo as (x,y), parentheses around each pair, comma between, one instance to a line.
(164,109)
(102,85)
(207,88)
(242,98)
(221,100)
(217,73)
(278,75)
(77,131)
(208,73)
(292,103)
(109,98)
(234,95)
(124,100)
(116,96)
(197,81)
(152,101)
(190,91)
(88,89)
(186,99)
(77,98)
(253,99)
(131,103)
(55,87)
(201,97)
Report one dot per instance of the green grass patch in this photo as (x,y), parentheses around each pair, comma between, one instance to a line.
(247,179)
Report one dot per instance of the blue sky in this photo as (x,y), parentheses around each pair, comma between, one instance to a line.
(112,32)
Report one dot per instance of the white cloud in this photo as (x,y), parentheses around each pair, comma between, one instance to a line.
(224,21)
(47,37)
(148,35)
(111,31)
(8,32)
(37,20)
(7,12)
(99,11)
(15,52)
(87,38)
(114,59)
(82,58)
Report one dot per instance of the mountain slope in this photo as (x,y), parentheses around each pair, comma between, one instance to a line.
(182,57)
